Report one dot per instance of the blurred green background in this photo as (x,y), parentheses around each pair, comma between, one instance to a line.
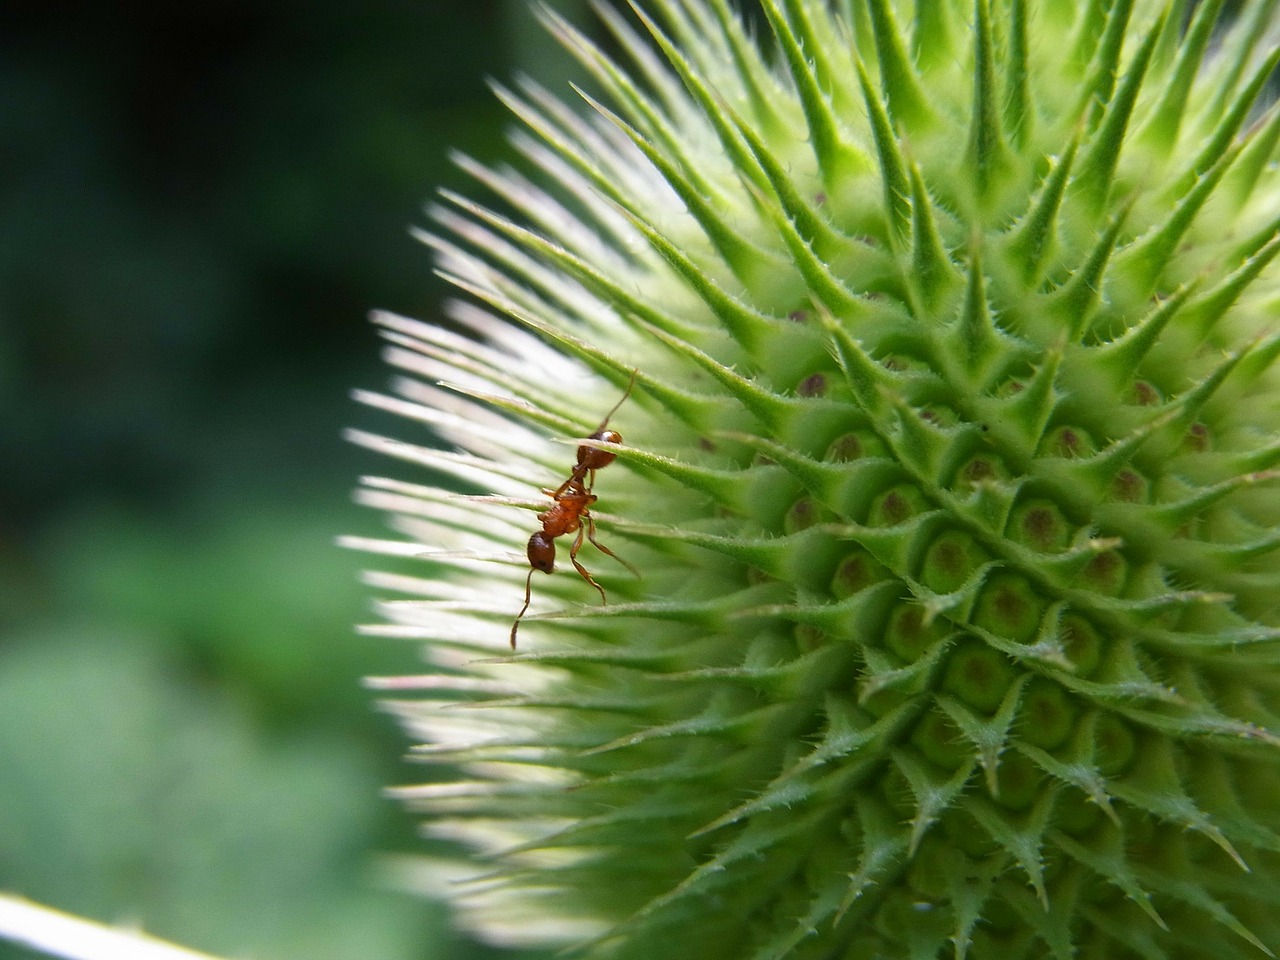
(197,209)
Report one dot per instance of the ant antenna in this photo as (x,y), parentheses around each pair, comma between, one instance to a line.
(621,400)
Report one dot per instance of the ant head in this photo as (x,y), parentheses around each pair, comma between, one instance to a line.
(542,552)
(592,458)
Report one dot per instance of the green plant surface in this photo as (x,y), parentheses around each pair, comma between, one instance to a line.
(944,335)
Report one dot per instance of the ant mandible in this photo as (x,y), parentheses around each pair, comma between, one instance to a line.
(570,512)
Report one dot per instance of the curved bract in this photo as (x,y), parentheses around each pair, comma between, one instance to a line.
(950,473)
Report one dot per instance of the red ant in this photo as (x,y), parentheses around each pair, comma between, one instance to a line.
(571,512)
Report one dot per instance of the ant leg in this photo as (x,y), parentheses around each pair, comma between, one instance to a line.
(575,476)
(591,535)
(582,571)
(528,594)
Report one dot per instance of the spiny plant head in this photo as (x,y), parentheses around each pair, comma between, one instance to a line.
(949,471)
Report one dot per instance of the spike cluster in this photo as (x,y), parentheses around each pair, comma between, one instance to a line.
(950,470)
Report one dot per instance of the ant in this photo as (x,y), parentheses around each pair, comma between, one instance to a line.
(571,512)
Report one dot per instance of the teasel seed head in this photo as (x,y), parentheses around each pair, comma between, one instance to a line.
(949,472)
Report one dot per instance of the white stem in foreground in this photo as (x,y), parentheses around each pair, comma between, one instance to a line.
(62,935)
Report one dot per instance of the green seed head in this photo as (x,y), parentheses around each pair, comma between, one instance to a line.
(948,470)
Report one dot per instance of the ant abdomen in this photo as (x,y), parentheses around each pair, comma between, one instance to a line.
(542,552)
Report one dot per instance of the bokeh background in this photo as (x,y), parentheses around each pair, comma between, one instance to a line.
(197,209)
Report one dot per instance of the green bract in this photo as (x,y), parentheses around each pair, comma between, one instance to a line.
(949,469)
